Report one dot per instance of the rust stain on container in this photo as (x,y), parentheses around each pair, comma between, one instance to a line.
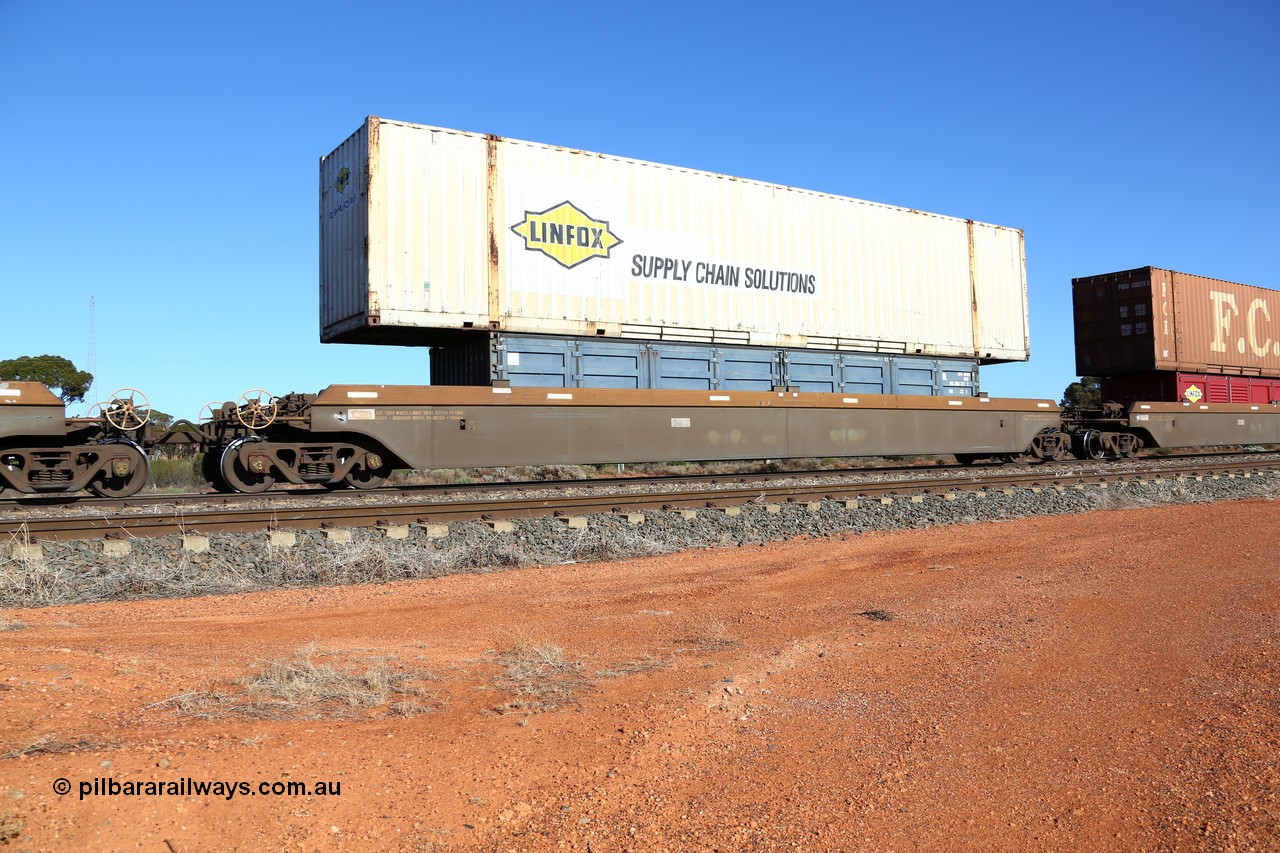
(973,290)
(1152,319)
(491,183)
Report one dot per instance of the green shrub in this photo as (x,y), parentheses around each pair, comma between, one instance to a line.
(178,474)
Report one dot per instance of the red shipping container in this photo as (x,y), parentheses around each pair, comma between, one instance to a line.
(1171,387)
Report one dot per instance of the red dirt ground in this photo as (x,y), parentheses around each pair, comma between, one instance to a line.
(1105,682)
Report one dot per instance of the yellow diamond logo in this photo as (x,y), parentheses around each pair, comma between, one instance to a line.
(1193,393)
(566,234)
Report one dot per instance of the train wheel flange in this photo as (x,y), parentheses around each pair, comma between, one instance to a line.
(362,478)
(211,469)
(239,477)
(370,474)
(127,473)
(1091,445)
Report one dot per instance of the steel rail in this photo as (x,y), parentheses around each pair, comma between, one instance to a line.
(281,517)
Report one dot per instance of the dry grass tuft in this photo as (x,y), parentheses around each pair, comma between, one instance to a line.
(705,633)
(11,826)
(50,744)
(539,675)
(648,663)
(591,547)
(298,687)
(13,626)
(878,615)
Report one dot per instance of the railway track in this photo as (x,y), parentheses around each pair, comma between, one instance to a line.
(573,498)
(451,491)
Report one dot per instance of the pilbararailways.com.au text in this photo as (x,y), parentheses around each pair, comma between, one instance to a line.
(107,786)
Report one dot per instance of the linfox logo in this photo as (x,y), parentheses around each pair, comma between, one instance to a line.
(566,234)
(344,178)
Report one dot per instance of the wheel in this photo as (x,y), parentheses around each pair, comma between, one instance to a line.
(361,478)
(237,476)
(370,474)
(1091,445)
(13,463)
(211,470)
(127,410)
(967,459)
(257,409)
(125,476)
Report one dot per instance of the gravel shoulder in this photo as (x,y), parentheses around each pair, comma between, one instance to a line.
(1096,680)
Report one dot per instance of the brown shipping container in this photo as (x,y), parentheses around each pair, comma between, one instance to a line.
(1150,319)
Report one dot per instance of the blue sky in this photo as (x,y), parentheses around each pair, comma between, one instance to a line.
(163,158)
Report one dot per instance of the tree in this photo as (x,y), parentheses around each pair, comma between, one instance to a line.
(1085,394)
(58,373)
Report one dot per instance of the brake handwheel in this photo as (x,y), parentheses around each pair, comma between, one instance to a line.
(127,410)
(257,409)
(208,411)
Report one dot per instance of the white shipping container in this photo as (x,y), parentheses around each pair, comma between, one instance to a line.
(425,231)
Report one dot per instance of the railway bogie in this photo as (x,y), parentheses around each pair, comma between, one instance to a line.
(42,451)
(1116,431)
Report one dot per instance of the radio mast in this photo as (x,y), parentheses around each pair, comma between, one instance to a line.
(93,351)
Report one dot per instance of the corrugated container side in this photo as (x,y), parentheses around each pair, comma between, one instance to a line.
(467,231)
(1000,263)
(462,362)
(1224,326)
(811,370)
(610,364)
(530,360)
(1172,387)
(1116,330)
(344,234)
(428,240)
(1152,319)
